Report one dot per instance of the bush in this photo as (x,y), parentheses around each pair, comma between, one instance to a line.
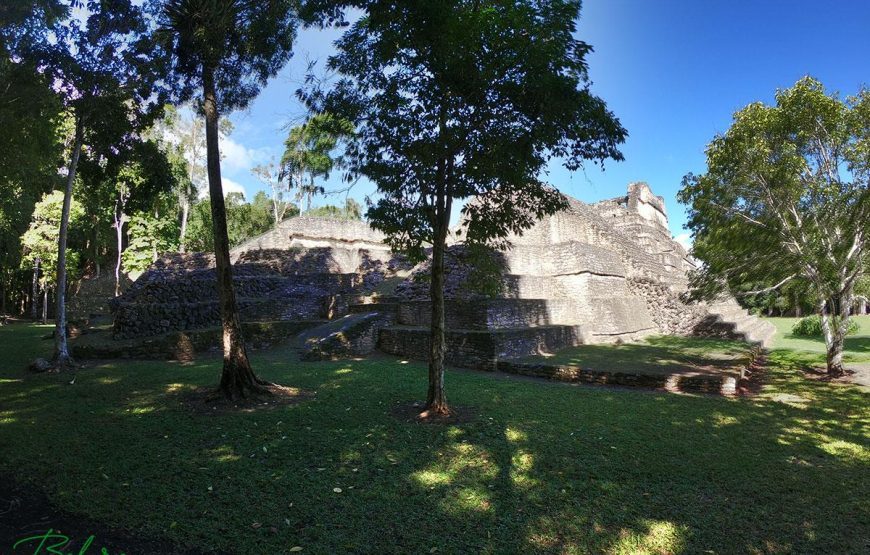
(811,326)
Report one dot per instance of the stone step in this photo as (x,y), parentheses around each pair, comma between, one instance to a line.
(351,336)
(753,329)
(729,312)
(479,348)
(373,299)
(607,316)
(763,332)
(482,314)
(746,322)
(360,308)
(183,345)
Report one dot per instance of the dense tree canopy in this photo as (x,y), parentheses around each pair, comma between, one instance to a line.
(103,68)
(39,242)
(32,119)
(244,220)
(786,198)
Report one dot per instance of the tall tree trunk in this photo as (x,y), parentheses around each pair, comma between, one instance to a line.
(45,304)
(834,332)
(96,223)
(119,236)
(185,214)
(436,400)
(237,378)
(310,194)
(62,358)
(34,308)
(3,295)
(275,214)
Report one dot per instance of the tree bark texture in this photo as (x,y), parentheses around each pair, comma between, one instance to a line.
(62,358)
(119,236)
(436,399)
(834,331)
(185,214)
(237,378)
(34,308)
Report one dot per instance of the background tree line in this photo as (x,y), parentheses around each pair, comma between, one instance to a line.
(139,195)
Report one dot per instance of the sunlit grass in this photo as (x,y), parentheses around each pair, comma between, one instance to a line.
(541,468)
(857,346)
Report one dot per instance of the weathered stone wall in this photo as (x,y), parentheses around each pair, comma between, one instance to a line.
(670,313)
(307,232)
(285,282)
(480,349)
(564,259)
(480,314)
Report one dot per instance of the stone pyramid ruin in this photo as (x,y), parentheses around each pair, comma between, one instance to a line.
(594,273)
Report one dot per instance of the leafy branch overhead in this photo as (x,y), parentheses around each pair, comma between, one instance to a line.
(476,96)
(458,100)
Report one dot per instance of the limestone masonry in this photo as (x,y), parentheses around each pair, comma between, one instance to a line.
(594,273)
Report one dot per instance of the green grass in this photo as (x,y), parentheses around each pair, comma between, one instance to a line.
(857,347)
(542,468)
(657,355)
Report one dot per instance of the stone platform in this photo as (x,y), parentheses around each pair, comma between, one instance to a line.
(607,272)
(602,273)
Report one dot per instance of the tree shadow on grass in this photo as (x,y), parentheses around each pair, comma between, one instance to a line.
(657,355)
(543,468)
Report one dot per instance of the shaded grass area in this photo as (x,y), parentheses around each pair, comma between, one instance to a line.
(543,467)
(857,346)
(657,355)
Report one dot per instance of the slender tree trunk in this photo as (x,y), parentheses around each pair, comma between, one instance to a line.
(120,218)
(45,305)
(185,214)
(275,208)
(62,358)
(309,195)
(96,223)
(237,378)
(436,400)
(185,202)
(118,240)
(35,295)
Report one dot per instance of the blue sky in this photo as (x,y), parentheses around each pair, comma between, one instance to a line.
(673,71)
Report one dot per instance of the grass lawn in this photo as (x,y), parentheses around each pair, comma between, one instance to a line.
(657,355)
(857,345)
(542,468)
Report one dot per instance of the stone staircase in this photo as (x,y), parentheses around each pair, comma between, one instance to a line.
(728,319)
(480,332)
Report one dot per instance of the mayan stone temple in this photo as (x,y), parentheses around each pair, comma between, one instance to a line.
(594,273)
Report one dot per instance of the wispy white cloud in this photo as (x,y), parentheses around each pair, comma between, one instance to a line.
(229,186)
(238,157)
(684,239)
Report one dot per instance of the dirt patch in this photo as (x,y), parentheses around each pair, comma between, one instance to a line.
(204,400)
(26,512)
(412,412)
(852,376)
